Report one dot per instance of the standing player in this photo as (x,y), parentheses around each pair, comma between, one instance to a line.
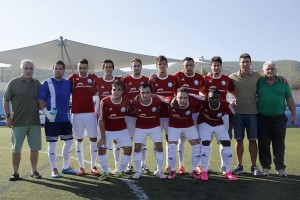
(54,98)
(181,123)
(224,84)
(113,127)
(84,118)
(132,84)
(194,82)
(164,85)
(147,111)
(210,122)
(104,89)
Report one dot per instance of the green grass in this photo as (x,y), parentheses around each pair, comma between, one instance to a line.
(88,187)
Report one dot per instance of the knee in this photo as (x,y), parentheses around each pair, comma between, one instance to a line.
(206,143)
(226,143)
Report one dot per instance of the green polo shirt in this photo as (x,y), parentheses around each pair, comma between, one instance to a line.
(271,98)
(23,96)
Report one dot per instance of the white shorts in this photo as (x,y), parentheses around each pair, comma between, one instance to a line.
(82,122)
(121,137)
(189,133)
(225,119)
(141,135)
(206,131)
(130,121)
(164,124)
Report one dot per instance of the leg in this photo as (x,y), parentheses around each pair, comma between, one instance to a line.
(181,150)
(125,158)
(52,154)
(264,143)
(239,149)
(79,152)
(34,156)
(93,151)
(138,156)
(66,152)
(16,158)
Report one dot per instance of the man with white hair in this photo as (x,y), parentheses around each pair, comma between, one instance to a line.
(23,119)
(272,98)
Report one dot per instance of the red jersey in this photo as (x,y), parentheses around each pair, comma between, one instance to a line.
(182,117)
(213,117)
(165,87)
(192,83)
(223,84)
(147,115)
(83,90)
(132,85)
(113,114)
(104,86)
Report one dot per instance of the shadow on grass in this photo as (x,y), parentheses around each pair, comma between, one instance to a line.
(217,187)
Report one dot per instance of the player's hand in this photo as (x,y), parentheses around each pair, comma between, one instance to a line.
(152,77)
(294,120)
(9,122)
(50,117)
(101,142)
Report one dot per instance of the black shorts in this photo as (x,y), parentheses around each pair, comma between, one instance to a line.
(55,129)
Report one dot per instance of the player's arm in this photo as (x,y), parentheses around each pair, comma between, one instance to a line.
(102,140)
(8,120)
(291,104)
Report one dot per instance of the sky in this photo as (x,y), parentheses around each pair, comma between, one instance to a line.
(267,29)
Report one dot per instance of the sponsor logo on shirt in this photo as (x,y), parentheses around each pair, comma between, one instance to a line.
(123,109)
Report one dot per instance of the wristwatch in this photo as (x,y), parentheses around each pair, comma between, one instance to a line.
(7,115)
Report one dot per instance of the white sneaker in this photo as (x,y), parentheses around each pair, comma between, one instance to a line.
(161,175)
(137,175)
(223,170)
(282,173)
(265,172)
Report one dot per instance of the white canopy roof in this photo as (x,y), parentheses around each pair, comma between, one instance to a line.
(45,54)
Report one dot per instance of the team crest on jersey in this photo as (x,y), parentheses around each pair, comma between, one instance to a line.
(154,109)
(219,115)
(188,112)
(170,84)
(196,82)
(89,80)
(223,83)
(123,109)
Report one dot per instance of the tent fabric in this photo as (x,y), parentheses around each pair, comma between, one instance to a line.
(45,54)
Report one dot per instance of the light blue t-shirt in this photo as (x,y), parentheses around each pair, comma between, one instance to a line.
(58,98)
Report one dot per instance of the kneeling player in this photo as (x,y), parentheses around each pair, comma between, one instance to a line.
(181,123)
(210,122)
(113,128)
(147,123)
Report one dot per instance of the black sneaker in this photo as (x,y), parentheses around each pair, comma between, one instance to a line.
(145,169)
(129,169)
(238,169)
(36,175)
(14,177)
